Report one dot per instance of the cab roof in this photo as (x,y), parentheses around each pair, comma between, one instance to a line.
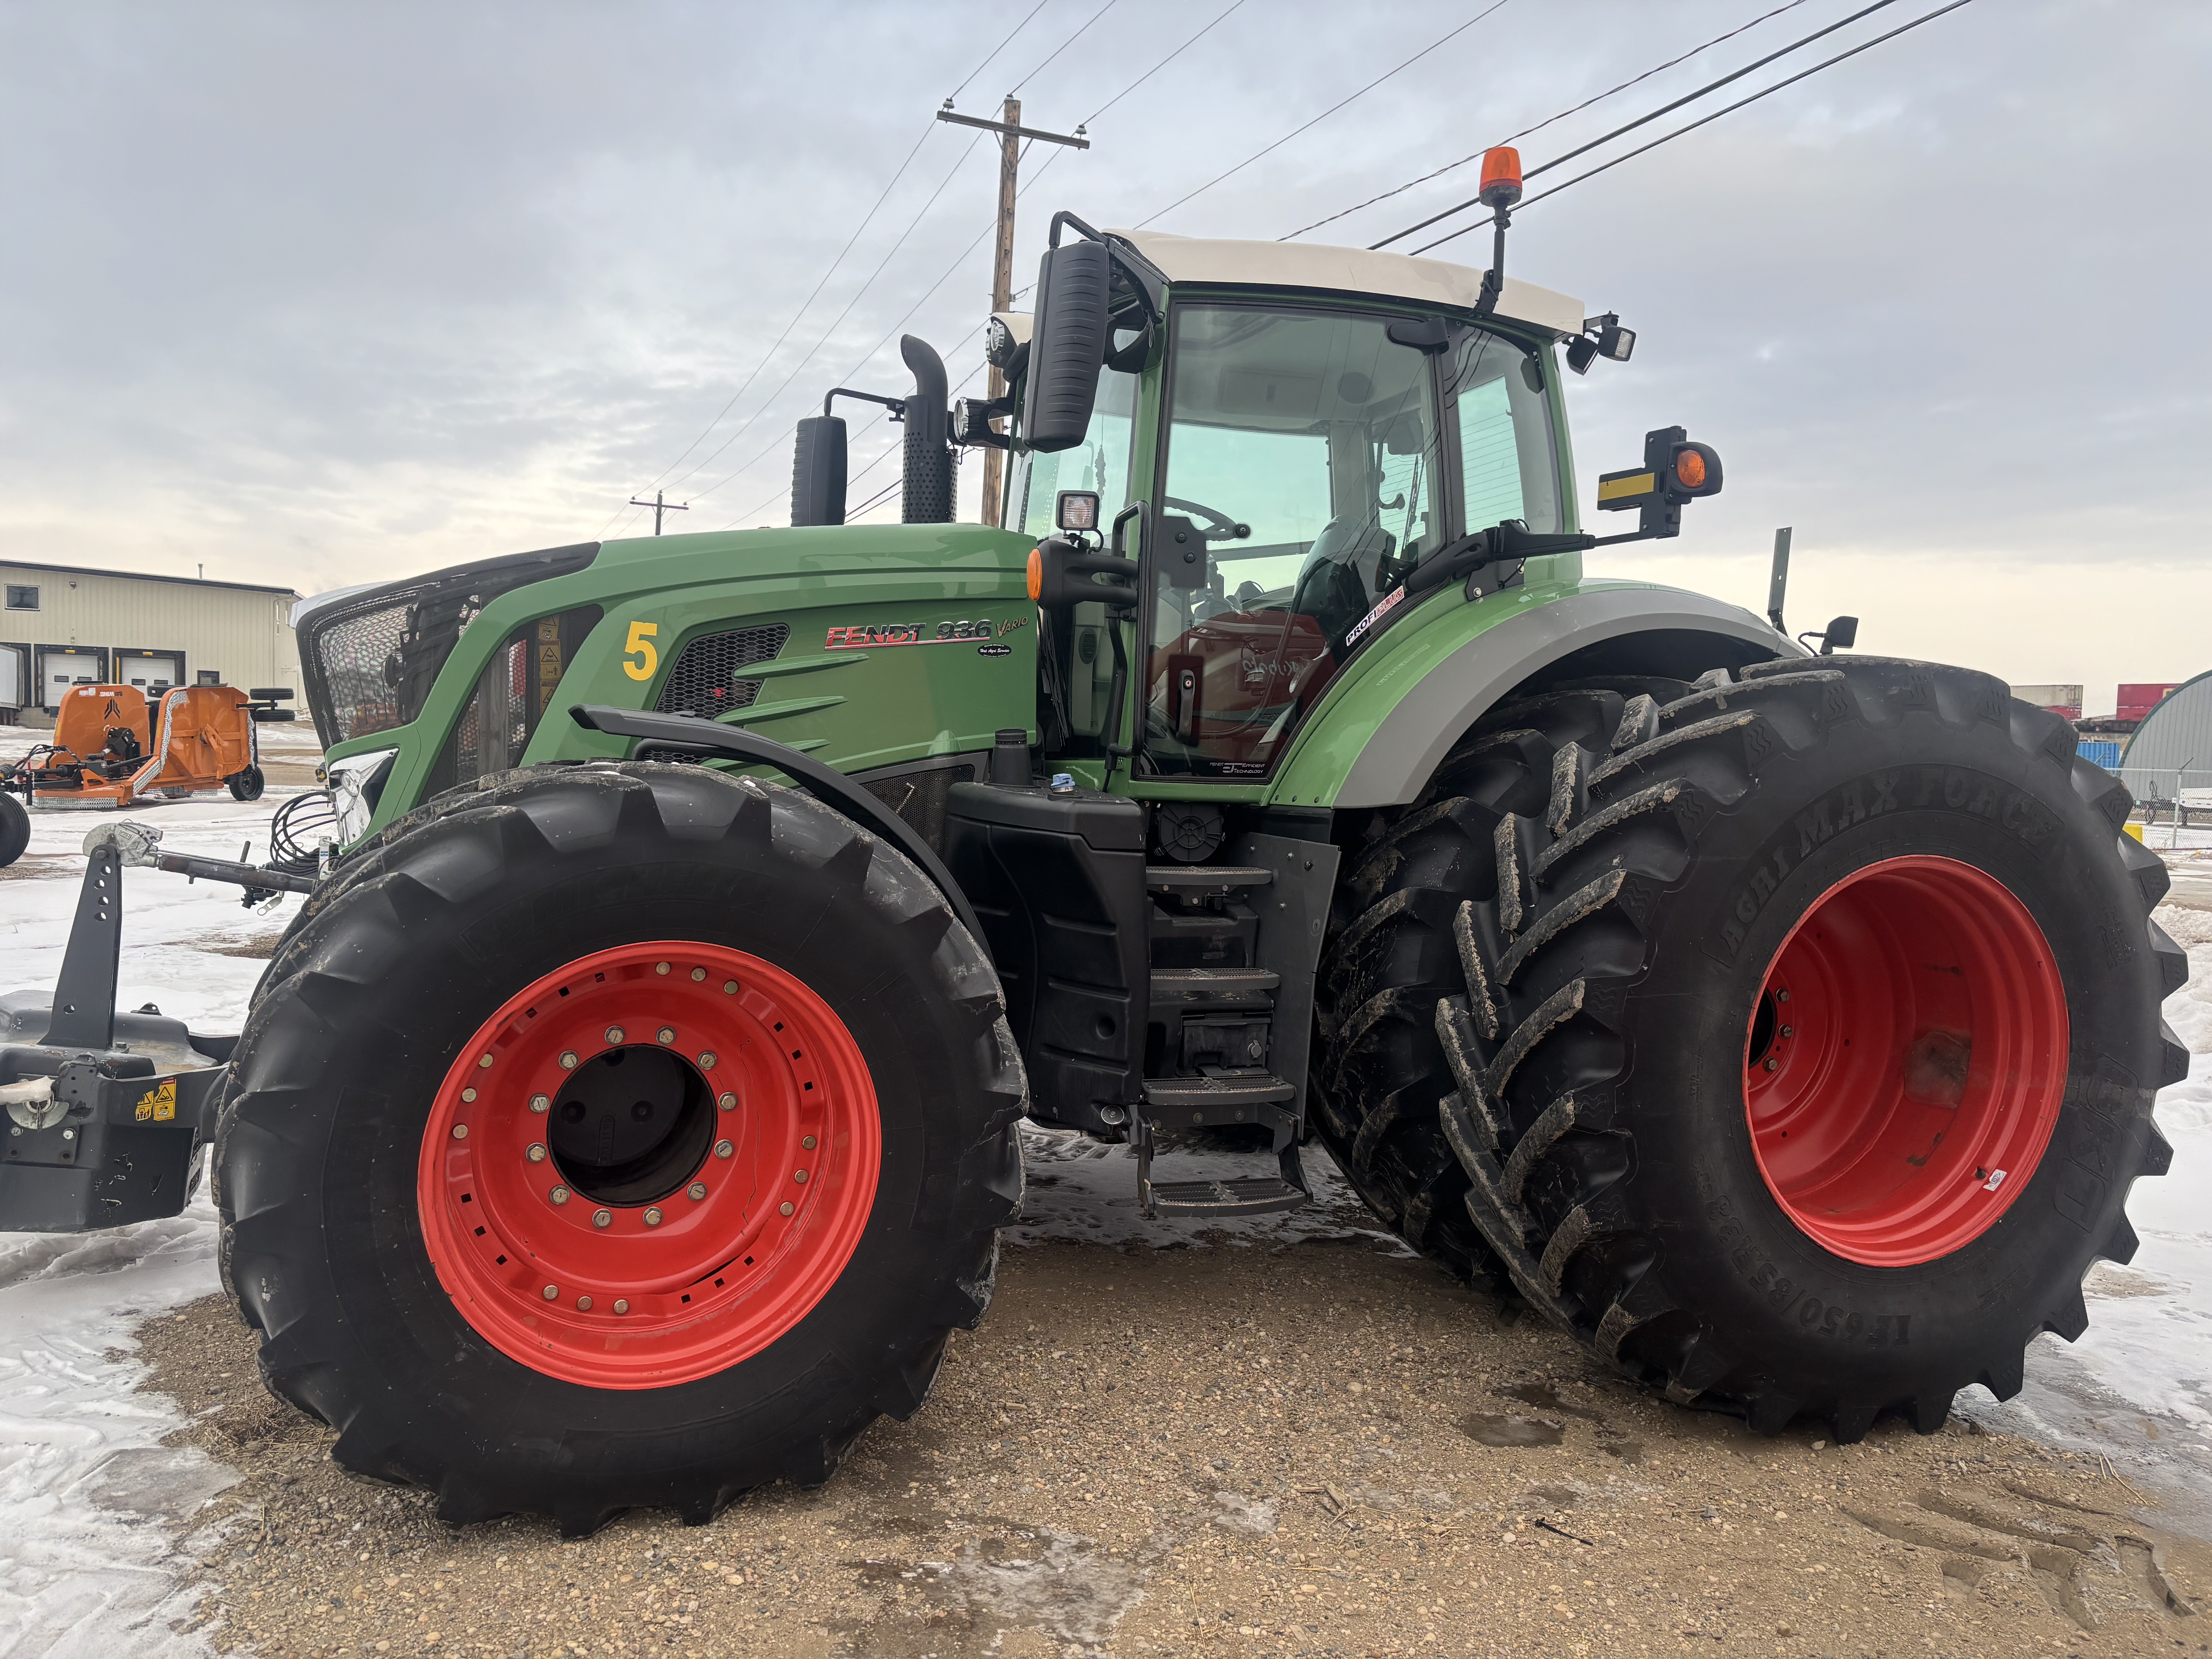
(1349,271)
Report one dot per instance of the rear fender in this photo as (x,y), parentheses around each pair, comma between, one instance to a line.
(1388,720)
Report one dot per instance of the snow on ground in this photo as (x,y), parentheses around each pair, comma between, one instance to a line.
(96,1515)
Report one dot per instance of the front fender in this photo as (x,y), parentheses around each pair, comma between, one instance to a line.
(1383,728)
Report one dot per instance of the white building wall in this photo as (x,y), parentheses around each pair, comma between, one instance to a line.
(243,633)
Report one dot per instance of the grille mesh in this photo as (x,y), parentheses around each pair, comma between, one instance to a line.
(354,653)
(705,678)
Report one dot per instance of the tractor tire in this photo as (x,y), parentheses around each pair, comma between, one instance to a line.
(247,785)
(624,1135)
(1806,1036)
(15,829)
(1394,950)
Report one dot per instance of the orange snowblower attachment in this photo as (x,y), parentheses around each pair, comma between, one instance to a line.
(111,750)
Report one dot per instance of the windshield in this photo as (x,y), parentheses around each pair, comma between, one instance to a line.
(1312,461)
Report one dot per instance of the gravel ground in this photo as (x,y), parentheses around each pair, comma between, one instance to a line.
(1315,1448)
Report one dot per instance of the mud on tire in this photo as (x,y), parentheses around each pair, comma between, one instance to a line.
(350,1047)
(1613,941)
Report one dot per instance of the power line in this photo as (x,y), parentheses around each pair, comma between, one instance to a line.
(1001,47)
(1325,114)
(1513,138)
(815,350)
(1061,47)
(1163,63)
(1643,120)
(1692,126)
(866,220)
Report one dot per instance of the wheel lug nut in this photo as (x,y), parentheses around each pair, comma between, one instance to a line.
(621,1304)
(460,1131)
(660,967)
(1773,1065)
(707,1060)
(729,988)
(1788,1031)
(800,1175)
(603,1217)
(568,1059)
(698,974)
(552,1292)
(724,1149)
(468,1094)
(784,1209)
(614,1034)
(652,1218)
(729,1103)
(668,1035)
(697,1189)
(484,1062)
(584,1304)
(807,1141)
(1782,996)
(536,1154)
(559,1195)
(541,1102)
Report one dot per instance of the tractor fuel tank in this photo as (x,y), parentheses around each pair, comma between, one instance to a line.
(1058,883)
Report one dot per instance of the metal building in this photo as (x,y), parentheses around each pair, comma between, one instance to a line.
(62,625)
(2169,758)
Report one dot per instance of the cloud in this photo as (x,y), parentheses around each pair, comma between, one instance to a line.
(321,295)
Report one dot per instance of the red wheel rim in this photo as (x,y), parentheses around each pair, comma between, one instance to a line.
(1904,1065)
(541,1183)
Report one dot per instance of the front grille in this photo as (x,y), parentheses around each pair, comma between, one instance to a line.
(359,660)
(705,678)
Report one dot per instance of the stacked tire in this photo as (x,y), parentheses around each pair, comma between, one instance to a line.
(1788,1037)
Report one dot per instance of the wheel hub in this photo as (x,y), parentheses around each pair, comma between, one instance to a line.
(1905,1061)
(649,1164)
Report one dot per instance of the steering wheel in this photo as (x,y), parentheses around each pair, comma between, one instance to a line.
(1217,526)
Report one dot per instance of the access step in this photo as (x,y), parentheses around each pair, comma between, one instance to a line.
(1239,1195)
(1219,1096)
(1203,880)
(1189,988)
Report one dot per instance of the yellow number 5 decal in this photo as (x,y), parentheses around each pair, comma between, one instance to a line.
(641,647)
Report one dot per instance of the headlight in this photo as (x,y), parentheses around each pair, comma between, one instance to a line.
(357,784)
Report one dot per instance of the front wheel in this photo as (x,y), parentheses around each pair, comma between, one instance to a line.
(633,1135)
(1805,1037)
(15,829)
(245,785)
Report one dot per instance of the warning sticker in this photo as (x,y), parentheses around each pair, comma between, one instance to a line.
(159,1105)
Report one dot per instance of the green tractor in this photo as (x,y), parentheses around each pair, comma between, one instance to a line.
(629,1116)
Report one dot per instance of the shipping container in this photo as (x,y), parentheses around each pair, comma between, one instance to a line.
(2137,700)
(2058,699)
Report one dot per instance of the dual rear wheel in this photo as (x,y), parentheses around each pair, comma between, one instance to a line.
(1789,1037)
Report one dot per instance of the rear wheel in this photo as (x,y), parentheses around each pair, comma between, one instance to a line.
(245,785)
(1806,1040)
(634,1135)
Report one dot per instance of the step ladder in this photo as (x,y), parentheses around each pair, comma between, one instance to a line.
(1232,1006)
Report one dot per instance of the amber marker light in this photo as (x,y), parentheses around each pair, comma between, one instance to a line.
(1037,573)
(1690,468)
(1501,177)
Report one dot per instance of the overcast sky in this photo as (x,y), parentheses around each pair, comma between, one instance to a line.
(321,296)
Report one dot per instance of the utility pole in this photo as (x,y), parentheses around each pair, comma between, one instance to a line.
(659,506)
(1011,133)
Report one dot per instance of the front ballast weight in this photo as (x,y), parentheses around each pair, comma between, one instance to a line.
(108,1109)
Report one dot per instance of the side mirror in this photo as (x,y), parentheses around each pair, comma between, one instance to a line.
(817,472)
(1068,343)
(1843,634)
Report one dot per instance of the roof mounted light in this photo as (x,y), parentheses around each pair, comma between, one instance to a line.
(1602,336)
(1501,177)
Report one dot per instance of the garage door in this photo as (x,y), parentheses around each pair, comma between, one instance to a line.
(59,669)
(151,672)
(13,671)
